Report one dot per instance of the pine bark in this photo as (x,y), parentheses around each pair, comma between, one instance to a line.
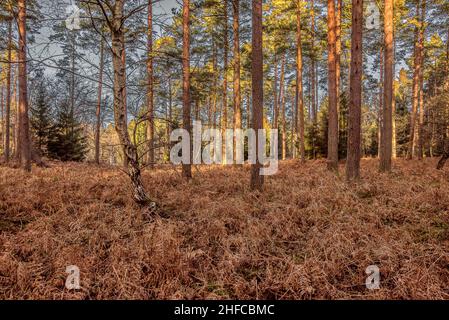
(186,167)
(338,52)
(224,119)
(25,150)
(299,87)
(415,88)
(8,95)
(332,147)
(275,94)
(355,94)
(281,105)
(421,83)
(387,127)
(257,88)
(236,80)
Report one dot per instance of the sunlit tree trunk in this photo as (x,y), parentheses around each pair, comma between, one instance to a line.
(313,75)
(150,93)
(275,94)
(15,134)
(386,133)
(224,119)
(169,116)
(381,101)
(237,97)
(393,102)
(186,167)
(415,89)
(421,83)
(281,106)
(23,92)
(257,88)
(338,52)
(248,109)
(332,146)
(8,95)
(299,88)
(355,93)
(2,103)
(215,81)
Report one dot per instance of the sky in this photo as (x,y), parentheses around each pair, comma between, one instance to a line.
(54,11)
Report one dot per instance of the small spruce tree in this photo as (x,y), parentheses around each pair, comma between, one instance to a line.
(67,141)
(41,123)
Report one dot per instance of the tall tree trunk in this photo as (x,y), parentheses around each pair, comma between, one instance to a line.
(248,109)
(381,101)
(421,82)
(98,111)
(186,167)
(72,77)
(313,75)
(224,119)
(355,93)
(150,99)
(23,93)
(120,118)
(169,116)
(15,137)
(281,105)
(332,145)
(2,133)
(387,130)
(415,88)
(215,81)
(338,52)
(125,95)
(237,97)
(275,93)
(8,94)
(257,88)
(299,89)
(393,102)
(284,125)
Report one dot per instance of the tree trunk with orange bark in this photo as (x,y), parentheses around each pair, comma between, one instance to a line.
(299,88)
(421,83)
(25,150)
(387,127)
(8,95)
(332,145)
(257,88)
(224,115)
(186,167)
(355,93)
(415,88)
(237,97)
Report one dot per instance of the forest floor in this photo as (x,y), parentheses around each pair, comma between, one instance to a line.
(308,236)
